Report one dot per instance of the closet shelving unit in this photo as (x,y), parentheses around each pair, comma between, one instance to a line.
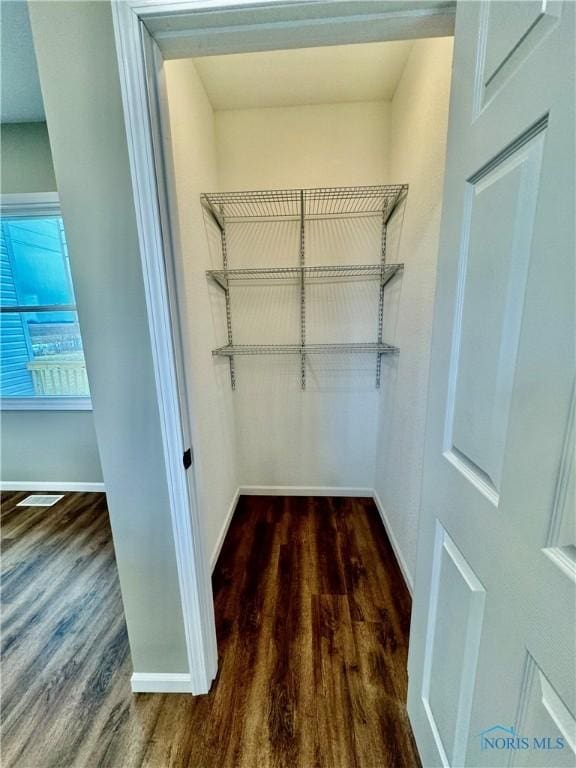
(303,205)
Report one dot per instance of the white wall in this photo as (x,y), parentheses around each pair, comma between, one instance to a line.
(41,446)
(326,145)
(418,128)
(326,435)
(201,305)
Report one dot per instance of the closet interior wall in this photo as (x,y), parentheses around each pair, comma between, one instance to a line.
(418,132)
(269,433)
(203,312)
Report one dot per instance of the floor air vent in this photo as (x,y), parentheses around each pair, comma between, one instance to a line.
(39,500)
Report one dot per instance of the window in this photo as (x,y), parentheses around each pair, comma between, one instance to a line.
(41,358)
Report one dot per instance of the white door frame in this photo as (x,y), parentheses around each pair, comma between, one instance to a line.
(181,28)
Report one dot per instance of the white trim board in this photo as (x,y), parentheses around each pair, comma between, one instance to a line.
(189,28)
(161,682)
(224,531)
(394,542)
(30,204)
(46,403)
(139,64)
(304,490)
(29,485)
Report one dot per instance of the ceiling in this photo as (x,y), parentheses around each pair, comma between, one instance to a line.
(329,75)
(20,97)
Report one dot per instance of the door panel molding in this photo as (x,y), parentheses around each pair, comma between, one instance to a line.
(496,68)
(489,307)
(540,707)
(456,609)
(561,539)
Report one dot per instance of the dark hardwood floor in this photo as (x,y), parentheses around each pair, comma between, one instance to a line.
(312,618)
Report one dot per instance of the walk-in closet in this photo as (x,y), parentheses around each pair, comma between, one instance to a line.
(309,187)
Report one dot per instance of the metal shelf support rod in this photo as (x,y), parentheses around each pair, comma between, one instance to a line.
(227,297)
(302,293)
(386,216)
(385,219)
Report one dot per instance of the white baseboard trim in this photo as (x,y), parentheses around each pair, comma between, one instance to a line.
(161,682)
(394,543)
(28,485)
(304,490)
(224,531)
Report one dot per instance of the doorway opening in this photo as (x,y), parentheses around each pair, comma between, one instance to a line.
(353,116)
(259,143)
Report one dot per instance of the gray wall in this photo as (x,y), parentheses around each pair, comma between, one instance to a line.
(76,57)
(41,446)
(49,447)
(26,158)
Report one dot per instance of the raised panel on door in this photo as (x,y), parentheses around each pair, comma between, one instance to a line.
(453,638)
(540,734)
(545,732)
(561,536)
(499,216)
(511,31)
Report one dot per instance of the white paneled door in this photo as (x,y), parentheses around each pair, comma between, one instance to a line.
(492,650)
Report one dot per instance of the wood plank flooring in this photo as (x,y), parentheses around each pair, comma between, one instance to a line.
(312,618)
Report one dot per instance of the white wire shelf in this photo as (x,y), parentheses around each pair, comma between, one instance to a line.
(303,205)
(326,202)
(230,350)
(383,272)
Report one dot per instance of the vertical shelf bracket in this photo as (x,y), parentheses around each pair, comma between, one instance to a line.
(222,221)
(385,218)
(302,293)
(387,214)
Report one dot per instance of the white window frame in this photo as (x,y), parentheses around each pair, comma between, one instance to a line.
(29,205)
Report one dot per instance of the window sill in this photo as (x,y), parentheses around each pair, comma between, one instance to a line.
(45,404)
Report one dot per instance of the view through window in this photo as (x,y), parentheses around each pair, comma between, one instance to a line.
(40,342)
